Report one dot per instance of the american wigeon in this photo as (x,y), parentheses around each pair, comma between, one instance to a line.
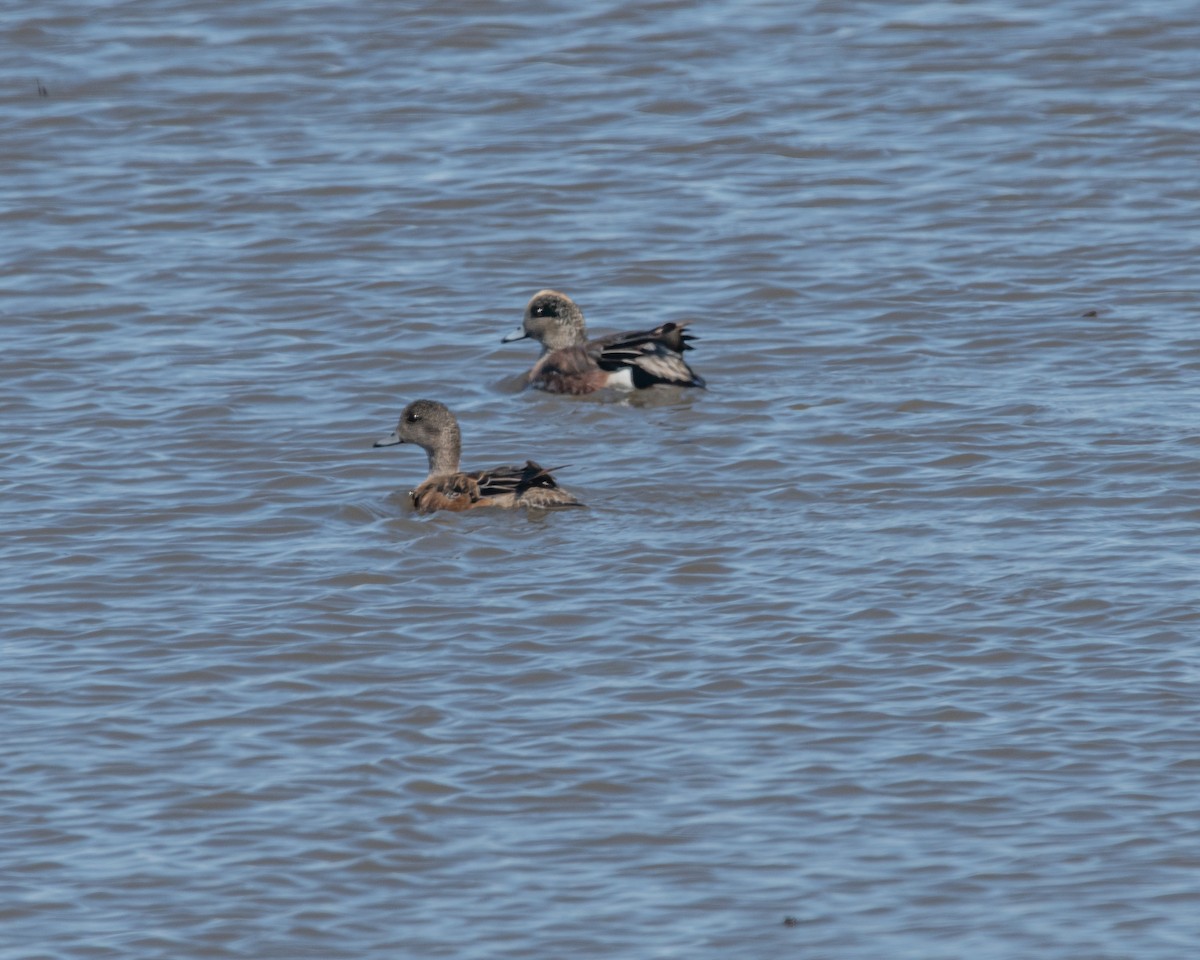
(571,363)
(432,426)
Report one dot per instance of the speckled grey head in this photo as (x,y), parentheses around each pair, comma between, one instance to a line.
(431,426)
(552,319)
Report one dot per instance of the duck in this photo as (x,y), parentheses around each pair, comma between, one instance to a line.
(430,425)
(572,364)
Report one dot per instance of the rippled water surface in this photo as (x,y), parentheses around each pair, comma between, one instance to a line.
(884,646)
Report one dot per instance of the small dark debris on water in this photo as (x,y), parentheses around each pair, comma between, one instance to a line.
(1091,313)
(41,90)
(791,922)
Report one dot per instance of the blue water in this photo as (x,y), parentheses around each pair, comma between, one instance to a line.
(881,646)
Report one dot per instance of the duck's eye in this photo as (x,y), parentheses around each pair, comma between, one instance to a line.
(413,417)
(545,310)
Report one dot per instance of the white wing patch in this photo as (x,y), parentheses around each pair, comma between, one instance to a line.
(621,379)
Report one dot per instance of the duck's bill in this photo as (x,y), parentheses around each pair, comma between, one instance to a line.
(388,441)
(518,334)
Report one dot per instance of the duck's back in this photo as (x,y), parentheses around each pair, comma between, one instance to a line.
(504,487)
(635,359)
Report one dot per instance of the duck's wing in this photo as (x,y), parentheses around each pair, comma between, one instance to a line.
(528,486)
(672,335)
(652,356)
